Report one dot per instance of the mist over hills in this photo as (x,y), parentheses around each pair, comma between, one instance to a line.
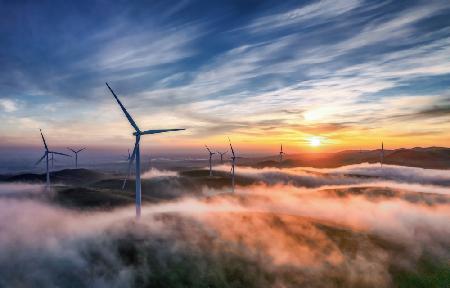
(357,225)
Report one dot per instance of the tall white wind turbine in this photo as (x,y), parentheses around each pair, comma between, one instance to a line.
(281,153)
(136,153)
(210,160)
(76,154)
(221,155)
(233,162)
(46,153)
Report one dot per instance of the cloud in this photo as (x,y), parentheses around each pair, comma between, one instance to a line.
(153,172)
(308,15)
(8,105)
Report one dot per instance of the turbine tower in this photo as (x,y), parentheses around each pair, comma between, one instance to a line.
(76,155)
(136,152)
(221,155)
(210,160)
(233,162)
(46,153)
(382,154)
(281,153)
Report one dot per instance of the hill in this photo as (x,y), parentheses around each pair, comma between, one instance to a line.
(431,157)
(66,176)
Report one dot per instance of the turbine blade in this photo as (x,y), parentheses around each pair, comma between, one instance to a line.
(42,158)
(81,150)
(43,139)
(159,131)
(232,151)
(71,150)
(207,149)
(53,152)
(124,110)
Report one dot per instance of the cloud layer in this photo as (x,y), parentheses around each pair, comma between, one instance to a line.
(263,235)
(334,69)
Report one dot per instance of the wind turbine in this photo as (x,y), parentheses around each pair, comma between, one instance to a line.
(210,160)
(128,175)
(233,162)
(52,159)
(221,155)
(76,155)
(46,153)
(136,152)
(382,154)
(281,153)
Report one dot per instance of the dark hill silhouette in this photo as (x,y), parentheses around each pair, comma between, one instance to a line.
(79,177)
(432,157)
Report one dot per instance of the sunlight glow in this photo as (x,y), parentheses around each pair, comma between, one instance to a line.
(315,141)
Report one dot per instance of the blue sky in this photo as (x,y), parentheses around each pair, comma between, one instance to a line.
(263,72)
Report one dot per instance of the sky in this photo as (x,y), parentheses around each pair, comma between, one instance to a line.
(314,75)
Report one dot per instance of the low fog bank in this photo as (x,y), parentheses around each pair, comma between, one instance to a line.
(348,175)
(21,190)
(154,172)
(393,172)
(261,236)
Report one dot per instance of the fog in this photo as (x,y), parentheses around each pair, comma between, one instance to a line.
(414,179)
(333,230)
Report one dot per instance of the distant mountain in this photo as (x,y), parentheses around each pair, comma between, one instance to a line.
(431,157)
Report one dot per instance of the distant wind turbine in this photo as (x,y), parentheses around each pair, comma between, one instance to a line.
(281,153)
(76,154)
(382,155)
(233,162)
(126,178)
(221,155)
(46,153)
(52,159)
(210,160)
(136,153)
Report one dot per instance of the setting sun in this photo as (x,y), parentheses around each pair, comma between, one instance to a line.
(315,141)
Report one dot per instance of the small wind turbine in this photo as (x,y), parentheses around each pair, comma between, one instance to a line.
(221,155)
(210,160)
(76,155)
(126,178)
(233,162)
(52,159)
(136,152)
(46,153)
(281,153)
(382,154)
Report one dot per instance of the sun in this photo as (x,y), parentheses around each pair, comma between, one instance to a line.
(315,141)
